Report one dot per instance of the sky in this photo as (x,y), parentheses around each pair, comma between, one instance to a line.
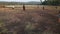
(20,0)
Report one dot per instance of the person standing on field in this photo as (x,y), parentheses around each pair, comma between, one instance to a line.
(24,7)
(43,7)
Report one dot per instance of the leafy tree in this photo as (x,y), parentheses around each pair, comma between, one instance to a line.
(51,2)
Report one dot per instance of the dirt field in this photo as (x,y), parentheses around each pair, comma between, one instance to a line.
(35,6)
(48,9)
(33,20)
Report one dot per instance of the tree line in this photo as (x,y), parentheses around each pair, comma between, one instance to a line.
(50,2)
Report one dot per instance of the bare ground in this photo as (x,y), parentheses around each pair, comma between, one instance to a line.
(30,21)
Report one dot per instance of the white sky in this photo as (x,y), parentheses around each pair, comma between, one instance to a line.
(20,0)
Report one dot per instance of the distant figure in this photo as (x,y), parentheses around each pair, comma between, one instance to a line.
(56,7)
(24,7)
(43,7)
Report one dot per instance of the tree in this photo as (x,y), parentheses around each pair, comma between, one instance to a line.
(51,2)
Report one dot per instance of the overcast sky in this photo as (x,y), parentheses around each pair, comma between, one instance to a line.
(20,0)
